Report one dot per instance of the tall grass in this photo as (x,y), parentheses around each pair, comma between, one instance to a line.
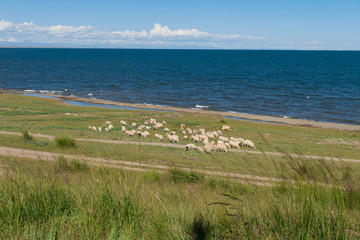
(27,136)
(71,200)
(65,142)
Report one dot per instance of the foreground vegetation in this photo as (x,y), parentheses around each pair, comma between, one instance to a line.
(75,199)
(72,200)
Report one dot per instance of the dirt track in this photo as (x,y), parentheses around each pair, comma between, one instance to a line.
(161,144)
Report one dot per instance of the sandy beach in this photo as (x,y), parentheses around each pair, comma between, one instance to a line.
(270,119)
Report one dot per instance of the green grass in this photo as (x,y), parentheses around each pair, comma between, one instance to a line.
(65,142)
(73,199)
(27,136)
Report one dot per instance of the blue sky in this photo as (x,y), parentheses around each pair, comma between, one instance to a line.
(256,24)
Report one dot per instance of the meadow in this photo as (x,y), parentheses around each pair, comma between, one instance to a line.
(76,198)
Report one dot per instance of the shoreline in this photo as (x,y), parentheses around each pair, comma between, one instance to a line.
(232,115)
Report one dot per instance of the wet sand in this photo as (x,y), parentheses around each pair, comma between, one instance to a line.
(272,119)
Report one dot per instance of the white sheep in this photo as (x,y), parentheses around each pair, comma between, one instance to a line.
(94,128)
(122,122)
(159,137)
(145,134)
(208,148)
(200,149)
(158,125)
(130,133)
(123,128)
(189,131)
(195,138)
(234,144)
(182,126)
(219,132)
(202,131)
(190,146)
(110,127)
(89,127)
(225,128)
(220,147)
(227,145)
(164,122)
(107,130)
(147,127)
(249,143)
(107,122)
(152,121)
(210,135)
(186,137)
(134,125)
(174,138)
(215,133)
(225,139)
(166,130)
(99,129)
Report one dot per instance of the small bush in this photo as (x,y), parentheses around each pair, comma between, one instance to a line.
(74,165)
(65,142)
(27,136)
(222,121)
(200,228)
(178,175)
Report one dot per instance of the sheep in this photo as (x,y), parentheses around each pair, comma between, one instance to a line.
(186,137)
(182,126)
(219,132)
(166,130)
(195,138)
(220,147)
(134,125)
(110,127)
(122,122)
(89,127)
(225,139)
(107,130)
(225,128)
(202,131)
(203,137)
(189,131)
(141,127)
(183,132)
(190,146)
(174,138)
(152,121)
(163,122)
(146,123)
(208,148)
(107,122)
(123,129)
(130,133)
(159,137)
(172,133)
(94,128)
(234,144)
(220,142)
(215,133)
(200,149)
(138,133)
(227,145)
(195,131)
(240,140)
(249,143)
(145,134)
(147,127)
(210,135)
(205,141)
(158,125)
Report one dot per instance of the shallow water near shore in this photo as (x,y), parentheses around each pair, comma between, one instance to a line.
(314,85)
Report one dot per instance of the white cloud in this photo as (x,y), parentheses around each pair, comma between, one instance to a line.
(158,36)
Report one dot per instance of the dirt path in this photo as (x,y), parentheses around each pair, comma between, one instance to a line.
(161,144)
(133,166)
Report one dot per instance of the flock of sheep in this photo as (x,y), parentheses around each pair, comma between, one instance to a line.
(211,140)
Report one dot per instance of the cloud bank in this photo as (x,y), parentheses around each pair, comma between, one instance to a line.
(157,37)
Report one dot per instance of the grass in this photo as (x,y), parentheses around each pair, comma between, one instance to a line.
(73,199)
(27,136)
(65,142)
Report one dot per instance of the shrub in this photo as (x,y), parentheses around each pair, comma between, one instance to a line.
(178,175)
(65,142)
(27,136)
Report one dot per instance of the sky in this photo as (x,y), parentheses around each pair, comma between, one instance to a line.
(241,24)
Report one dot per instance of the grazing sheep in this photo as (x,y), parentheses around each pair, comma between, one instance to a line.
(240,140)
(173,138)
(138,133)
(225,128)
(189,131)
(195,138)
(219,132)
(190,146)
(152,121)
(146,123)
(164,122)
(227,145)
(234,144)
(89,127)
(99,129)
(195,131)
(210,135)
(220,142)
(110,127)
(202,131)
(182,126)
(183,132)
(141,127)
(107,122)
(122,122)
(215,133)
(94,128)
(147,127)
(205,141)
(220,147)
(145,134)
(203,137)
(134,125)
(225,139)
(208,148)
(249,143)
(158,125)
(130,133)
(172,133)
(186,137)
(107,130)
(159,137)
(200,149)
(166,130)
(123,129)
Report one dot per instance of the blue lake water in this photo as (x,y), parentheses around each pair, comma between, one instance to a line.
(316,85)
